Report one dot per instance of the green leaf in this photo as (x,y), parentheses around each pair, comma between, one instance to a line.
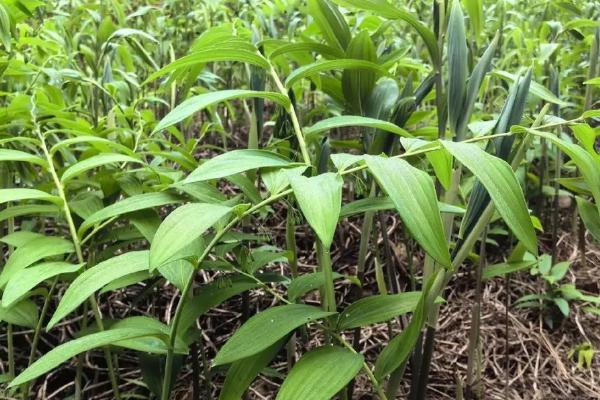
(241,373)
(536,89)
(28,209)
(475,11)
(33,251)
(26,279)
(177,272)
(65,351)
(331,23)
(148,344)
(320,374)
(266,328)
(562,305)
(320,199)
(457,66)
(104,144)
(385,203)
(5,25)
(414,196)
(502,269)
(306,283)
(17,155)
(354,120)
(23,313)
(95,161)
(278,179)
(97,277)
(590,216)
(357,85)
(558,271)
(474,84)
(323,49)
(197,103)
(212,55)
(327,65)
(377,308)
(236,161)
(129,32)
(7,195)
(501,183)
(130,204)
(182,227)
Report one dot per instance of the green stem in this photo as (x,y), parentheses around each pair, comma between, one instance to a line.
(37,332)
(293,116)
(77,244)
(325,257)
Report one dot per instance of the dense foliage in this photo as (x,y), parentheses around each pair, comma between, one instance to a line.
(179,149)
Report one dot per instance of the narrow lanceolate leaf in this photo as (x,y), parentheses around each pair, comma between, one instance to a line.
(323,49)
(28,209)
(306,283)
(148,344)
(590,216)
(266,328)
(234,162)
(479,72)
(18,194)
(331,23)
(354,120)
(95,278)
(475,11)
(62,353)
(320,199)
(182,227)
(457,65)
(414,196)
(506,268)
(212,55)
(320,374)
(33,251)
(501,183)
(194,104)
(130,204)
(378,308)
(329,65)
(17,155)
(374,204)
(26,279)
(241,373)
(93,162)
(536,89)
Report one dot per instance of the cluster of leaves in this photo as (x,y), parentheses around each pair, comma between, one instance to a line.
(111,118)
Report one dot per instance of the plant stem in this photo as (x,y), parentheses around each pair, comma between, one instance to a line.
(37,333)
(77,244)
(474,339)
(325,259)
(293,116)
